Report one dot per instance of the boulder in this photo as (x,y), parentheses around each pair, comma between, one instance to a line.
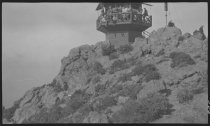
(122,99)
(187,35)
(199,35)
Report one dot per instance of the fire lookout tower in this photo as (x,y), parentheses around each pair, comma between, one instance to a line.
(122,22)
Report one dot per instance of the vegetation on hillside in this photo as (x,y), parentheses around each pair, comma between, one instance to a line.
(150,108)
(181,59)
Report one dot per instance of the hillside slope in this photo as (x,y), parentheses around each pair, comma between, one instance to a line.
(159,79)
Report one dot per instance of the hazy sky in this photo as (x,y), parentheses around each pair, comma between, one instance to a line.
(36,36)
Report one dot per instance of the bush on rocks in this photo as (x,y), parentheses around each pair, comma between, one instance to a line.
(131,91)
(99,68)
(181,59)
(100,88)
(108,49)
(184,95)
(125,77)
(56,86)
(125,48)
(115,89)
(118,65)
(181,38)
(160,53)
(150,108)
(103,103)
(113,55)
(96,79)
(149,71)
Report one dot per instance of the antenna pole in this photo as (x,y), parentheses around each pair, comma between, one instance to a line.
(166,9)
(166,18)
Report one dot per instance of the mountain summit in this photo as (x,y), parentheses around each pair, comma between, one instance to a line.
(159,79)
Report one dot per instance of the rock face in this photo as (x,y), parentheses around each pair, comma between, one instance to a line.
(93,88)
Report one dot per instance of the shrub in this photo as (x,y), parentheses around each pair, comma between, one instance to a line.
(107,50)
(79,98)
(53,83)
(102,103)
(113,55)
(198,90)
(154,75)
(181,38)
(115,89)
(85,109)
(41,117)
(184,95)
(180,59)
(66,86)
(99,68)
(165,91)
(131,91)
(80,94)
(149,71)
(153,107)
(138,70)
(51,115)
(56,113)
(125,77)
(160,53)
(56,86)
(204,79)
(88,80)
(125,48)
(96,79)
(100,88)
(117,66)
(131,61)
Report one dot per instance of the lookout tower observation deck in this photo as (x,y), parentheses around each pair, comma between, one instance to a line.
(122,22)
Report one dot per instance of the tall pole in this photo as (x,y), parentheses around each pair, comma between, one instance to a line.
(166,9)
(166,18)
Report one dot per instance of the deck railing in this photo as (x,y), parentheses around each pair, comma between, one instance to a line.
(123,18)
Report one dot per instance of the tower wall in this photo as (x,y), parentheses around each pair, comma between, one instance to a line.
(118,38)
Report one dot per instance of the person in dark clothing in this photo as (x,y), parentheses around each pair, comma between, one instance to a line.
(145,13)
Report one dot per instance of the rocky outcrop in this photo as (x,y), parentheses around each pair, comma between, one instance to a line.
(80,83)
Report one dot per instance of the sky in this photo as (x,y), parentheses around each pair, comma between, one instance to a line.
(36,36)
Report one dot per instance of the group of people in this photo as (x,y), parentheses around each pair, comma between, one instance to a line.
(122,14)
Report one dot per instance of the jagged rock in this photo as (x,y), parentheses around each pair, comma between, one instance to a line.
(197,34)
(191,46)
(164,39)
